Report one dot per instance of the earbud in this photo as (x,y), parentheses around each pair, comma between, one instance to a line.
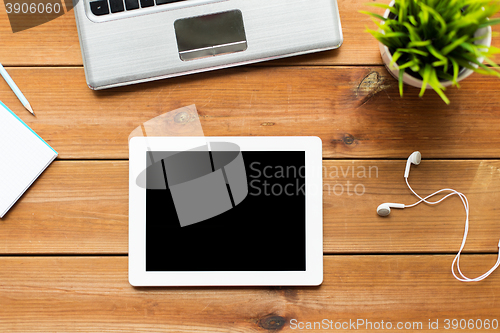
(385,208)
(414,158)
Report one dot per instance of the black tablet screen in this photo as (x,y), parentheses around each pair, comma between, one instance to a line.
(266,231)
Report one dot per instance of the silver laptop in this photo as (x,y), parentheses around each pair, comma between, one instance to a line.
(132,41)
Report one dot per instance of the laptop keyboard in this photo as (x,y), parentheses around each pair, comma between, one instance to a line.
(105,7)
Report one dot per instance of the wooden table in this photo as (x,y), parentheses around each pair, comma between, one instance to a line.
(63,246)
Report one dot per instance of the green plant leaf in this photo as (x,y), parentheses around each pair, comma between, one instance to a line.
(445,76)
(412,20)
(380,24)
(439,63)
(494,66)
(420,43)
(402,11)
(489,23)
(440,92)
(401,74)
(409,64)
(472,48)
(436,16)
(456,70)
(438,87)
(465,64)
(426,74)
(454,45)
(414,34)
(415,51)
(438,55)
(395,35)
(380,17)
(384,6)
(395,58)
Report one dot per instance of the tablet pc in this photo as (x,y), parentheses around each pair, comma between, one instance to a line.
(225,211)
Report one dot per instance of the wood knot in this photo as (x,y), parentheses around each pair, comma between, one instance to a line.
(348,139)
(370,85)
(181,117)
(272,322)
(268,124)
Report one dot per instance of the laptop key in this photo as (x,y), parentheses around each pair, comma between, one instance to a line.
(162,2)
(131,4)
(99,7)
(116,6)
(147,3)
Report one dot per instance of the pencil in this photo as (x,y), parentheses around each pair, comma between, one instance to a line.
(16,90)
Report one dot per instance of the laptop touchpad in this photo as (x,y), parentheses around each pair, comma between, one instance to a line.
(210,35)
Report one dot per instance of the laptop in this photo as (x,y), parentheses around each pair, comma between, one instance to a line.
(131,41)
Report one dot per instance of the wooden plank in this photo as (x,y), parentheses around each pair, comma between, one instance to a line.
(354,189)
(82,207)
(356,111)
(53,43)
(74,207)
(92,294)
(56,42)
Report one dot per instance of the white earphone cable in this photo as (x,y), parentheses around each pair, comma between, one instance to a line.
(456,260)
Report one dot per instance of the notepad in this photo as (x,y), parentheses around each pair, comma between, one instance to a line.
(23,157)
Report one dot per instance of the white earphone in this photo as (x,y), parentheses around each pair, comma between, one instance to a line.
(385,209)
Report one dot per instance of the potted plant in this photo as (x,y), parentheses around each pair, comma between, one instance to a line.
(432,44)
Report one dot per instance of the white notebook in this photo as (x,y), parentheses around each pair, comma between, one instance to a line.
(23,157)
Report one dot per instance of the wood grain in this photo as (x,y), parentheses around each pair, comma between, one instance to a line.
(82,207)
(78,294)
(351,224)
(56,43)
(356,111)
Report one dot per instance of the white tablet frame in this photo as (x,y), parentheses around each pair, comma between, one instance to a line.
(312,276)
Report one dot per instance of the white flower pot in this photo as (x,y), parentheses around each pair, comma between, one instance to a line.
(412,81)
